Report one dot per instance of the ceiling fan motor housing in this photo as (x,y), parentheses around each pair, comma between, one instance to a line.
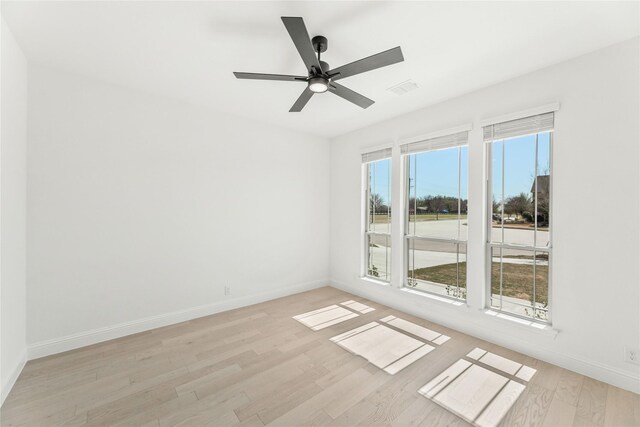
(320,43)
(324,66)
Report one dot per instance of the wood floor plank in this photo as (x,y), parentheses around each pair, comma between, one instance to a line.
(559,414)
(322,399)
(569,387)
(290,400)
(592,402)
(622,408)
(341,403)
(257,366)
(317,419)
(415,413)
(129,405)
(272,395)
(49,416)
(355,415)
(254,421)
(531,408)
(390,402)
(209,411)
(152,415)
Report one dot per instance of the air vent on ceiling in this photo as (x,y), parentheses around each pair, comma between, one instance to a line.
(404,87)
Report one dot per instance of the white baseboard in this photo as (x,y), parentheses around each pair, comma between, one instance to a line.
(521,344)
(8,385)
(94,336)
(575,363)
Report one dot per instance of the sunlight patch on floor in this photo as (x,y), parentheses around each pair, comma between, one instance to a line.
(357,306)
(325,317)
(417,330)
(502,363)
(475,393)
(384,347)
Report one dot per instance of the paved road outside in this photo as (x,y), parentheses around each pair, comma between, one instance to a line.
(430,254)
(448,229)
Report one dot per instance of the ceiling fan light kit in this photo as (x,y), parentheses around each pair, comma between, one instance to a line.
(318,84)
(320,77)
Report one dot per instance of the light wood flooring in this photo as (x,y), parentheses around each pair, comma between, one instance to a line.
(257,366)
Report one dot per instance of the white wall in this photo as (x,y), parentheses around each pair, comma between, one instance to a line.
(142,209)
(13,181)
(595,277)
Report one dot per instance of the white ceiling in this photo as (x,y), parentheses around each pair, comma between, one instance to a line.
(188,50)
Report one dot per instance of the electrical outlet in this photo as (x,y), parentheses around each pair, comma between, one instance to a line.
(227,291)
(632,355)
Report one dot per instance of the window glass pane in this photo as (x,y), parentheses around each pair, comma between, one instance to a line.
(519,174)
(521,187)
(496,191)
(542,286)
(379,256)
(513,287)
(412,201)
(496,278)
(464,191)
(542,189)
(433,202)
(380,196)
(438,267)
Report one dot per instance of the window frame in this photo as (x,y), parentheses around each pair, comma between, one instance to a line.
(534,249)
(408,238)
(367,233)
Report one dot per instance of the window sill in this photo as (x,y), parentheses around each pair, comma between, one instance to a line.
(513,323)
(375,281)
(441,299)
(526,325)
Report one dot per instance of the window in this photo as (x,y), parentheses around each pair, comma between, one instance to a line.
(436,215)
(519,217)
(378,215)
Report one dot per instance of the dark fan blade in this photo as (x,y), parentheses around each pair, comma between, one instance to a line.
(259,76)
(300,36)
(349,95)
(302,101)
(372,62)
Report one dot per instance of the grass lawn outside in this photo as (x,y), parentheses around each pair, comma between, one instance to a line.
(384,218)
(517,279)
(519,226)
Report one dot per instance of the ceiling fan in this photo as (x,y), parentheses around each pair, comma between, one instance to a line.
(320,78)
